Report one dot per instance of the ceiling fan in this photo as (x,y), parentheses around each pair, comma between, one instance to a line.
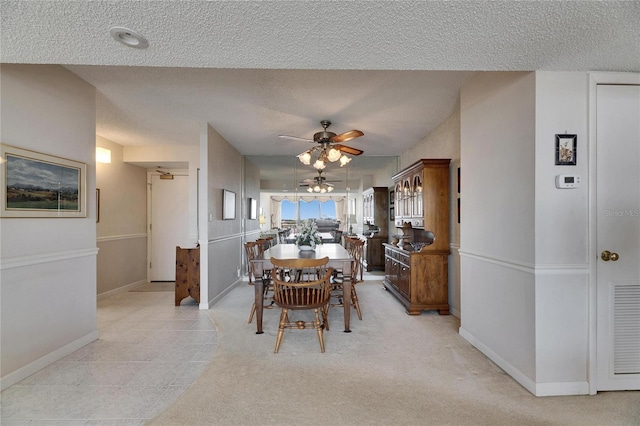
(318,183)
(330,146)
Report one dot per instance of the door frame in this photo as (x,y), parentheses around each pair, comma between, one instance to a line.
(150,173)
(595,79)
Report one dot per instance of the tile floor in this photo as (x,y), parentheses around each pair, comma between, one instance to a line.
(148,353)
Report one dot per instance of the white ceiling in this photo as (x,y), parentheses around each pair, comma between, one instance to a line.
(257,69)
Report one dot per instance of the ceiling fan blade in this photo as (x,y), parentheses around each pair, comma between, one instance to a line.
(347,136)
(349,150)
(295,138)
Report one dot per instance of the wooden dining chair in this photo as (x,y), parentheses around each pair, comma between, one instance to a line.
(261,245)
(355,247)
(254,250)
(302,284)
(250,254)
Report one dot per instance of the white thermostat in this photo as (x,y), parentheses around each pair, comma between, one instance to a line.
(567,181)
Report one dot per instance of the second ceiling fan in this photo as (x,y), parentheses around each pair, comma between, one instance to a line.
(330,146)
(318,183)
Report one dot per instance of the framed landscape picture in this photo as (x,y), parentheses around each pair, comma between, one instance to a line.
(41,185)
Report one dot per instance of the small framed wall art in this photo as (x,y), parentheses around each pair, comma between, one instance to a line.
(253,208)
(566,148)
(228,205)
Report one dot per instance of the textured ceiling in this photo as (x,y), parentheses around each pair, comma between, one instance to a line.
(257,69)
(383,35)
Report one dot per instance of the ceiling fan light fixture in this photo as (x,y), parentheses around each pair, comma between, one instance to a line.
(319,164)
(334,154)
(322,188)
(305,158)
(344,160)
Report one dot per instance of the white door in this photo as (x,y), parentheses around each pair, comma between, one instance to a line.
(618,237)
(169,225)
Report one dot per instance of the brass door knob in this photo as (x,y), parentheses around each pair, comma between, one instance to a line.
(608,256)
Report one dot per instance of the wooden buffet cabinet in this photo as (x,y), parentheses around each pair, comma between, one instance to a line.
(375,211)
(420,279)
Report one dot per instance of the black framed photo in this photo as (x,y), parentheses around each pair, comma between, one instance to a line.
(566,147)
(228,205)
(253,208)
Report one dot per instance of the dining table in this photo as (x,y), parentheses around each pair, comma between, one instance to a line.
(339,258)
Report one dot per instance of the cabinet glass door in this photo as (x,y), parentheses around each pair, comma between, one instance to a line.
(399,204)
(407,197)
(417,196)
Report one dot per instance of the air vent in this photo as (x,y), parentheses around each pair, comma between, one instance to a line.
(626,329)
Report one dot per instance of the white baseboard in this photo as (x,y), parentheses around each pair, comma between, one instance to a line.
(122,289)
(562,388)
(211,302)
(37,365)
(454,312)
(526,382)
(537,389)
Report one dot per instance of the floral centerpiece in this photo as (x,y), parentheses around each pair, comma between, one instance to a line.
(308,236)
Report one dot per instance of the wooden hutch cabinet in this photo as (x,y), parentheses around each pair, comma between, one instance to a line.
(418,277)
(375,212)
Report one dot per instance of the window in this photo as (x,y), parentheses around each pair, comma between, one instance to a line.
(316,210)
(292,212)
(288,214)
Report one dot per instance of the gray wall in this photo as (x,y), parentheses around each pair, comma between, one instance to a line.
(222,167)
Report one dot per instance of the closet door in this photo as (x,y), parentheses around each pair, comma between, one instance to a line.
(618,237)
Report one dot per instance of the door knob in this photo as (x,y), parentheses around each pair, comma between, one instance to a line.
(608,256)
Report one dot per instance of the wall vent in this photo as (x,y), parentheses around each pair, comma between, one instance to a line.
(626,329)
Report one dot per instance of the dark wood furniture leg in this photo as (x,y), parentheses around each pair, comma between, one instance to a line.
(346,288)
(259,289)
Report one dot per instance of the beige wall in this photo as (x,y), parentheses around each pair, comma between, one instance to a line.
(47,265)
(498,222)
(524,244)
(121,231)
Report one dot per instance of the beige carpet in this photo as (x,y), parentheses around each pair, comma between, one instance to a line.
(393,369)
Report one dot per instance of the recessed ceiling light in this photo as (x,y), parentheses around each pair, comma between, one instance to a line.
(128,37)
